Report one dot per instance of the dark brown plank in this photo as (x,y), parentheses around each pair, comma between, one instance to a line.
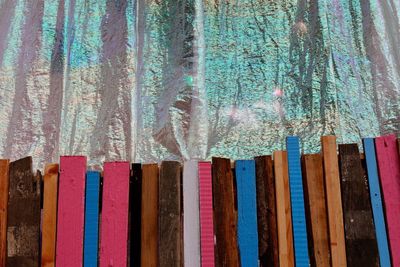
(266,212)
(170,223)
(225,214)
(361,245)
(4,182)
(23,215)
(135,202)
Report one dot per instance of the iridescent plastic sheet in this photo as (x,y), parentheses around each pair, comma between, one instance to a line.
(148,80)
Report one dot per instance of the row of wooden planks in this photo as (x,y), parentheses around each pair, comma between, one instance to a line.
(336,208)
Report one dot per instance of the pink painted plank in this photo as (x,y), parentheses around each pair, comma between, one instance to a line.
(114,217)
(71,206)
(389,172)
(206,215)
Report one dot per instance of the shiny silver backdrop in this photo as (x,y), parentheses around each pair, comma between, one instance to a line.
(147,80)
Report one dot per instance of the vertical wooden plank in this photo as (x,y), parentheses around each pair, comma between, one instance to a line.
(316,210)
(206,215)
(23,220)
(389,172)
(91,238)
(334,201)
(170,233)
(49,224)
(283,210)
(114,215)
(191,216)
(149,210)
(4,184)
(135,205)
(297,202)
(376,201)
(266,212)
(361,246)
(225,214)
(71,206)
(247,212)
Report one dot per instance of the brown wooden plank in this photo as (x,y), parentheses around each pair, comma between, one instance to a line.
(149,211)
(49,227)
(316,210)
(170,221)
(225,214)
(23,221)
(398,145)
(334,201)
(266,212)
(4,183)
(361,244)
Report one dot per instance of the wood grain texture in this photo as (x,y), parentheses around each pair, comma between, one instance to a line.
(135,206)
(170,224)
(225,214)
(389,172)
(4,186)
(316,210)
(334,201)
(71,208)
(266,212)
(361,245)
(23,220)
(49,224)
(114,214)
(149,210)
(283,210)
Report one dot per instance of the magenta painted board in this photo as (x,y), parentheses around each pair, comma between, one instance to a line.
(389,174)
(114,217)
(71,206)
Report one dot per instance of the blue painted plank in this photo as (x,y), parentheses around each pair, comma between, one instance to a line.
(91,241)
(376,202)
(297,202)
(247,212)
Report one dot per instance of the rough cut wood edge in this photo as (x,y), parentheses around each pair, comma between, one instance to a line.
(4,185)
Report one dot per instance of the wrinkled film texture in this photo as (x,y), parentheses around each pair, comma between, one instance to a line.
(148,80)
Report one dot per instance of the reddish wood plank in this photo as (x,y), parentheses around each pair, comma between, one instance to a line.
(114,217)
(4,184)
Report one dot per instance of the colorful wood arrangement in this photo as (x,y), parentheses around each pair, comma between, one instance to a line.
(335,208)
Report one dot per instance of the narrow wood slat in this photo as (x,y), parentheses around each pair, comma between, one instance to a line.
(206,215)
(114,214)
(170,233)
(266,212)
(297,202)
(376,201)
(316,210)
(149,210)
(191,216)
(4,186)
(49,224)
(70,216)
(389,172)
(334,201)
(247,212)
(225,214)
(91,238)
(135,204)
(23,220)
(283,210)
(361,246)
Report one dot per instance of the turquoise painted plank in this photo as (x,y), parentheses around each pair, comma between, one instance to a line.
(91,242)
(247,212)
(376,202)
(297,202)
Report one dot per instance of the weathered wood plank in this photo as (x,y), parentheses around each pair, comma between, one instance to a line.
(23,220)
(149,210)
(334,201)
(266,212)
(361,246)
(4,186)
(170,224)
(283,210)
(135,205)
(49,224)
(316,210)
(225,214)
